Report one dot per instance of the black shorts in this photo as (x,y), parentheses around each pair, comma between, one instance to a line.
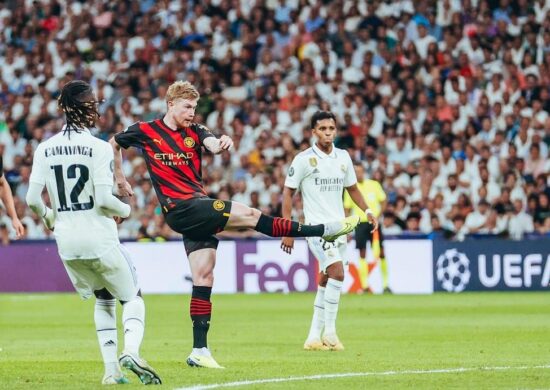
(198,220)
(363,234)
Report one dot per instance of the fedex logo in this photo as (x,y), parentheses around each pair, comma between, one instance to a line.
(263,267)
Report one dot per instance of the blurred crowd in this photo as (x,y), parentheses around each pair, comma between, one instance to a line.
(445,103)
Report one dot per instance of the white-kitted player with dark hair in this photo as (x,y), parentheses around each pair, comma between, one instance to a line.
(321,173)
(77,170)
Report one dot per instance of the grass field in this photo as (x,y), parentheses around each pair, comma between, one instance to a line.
(501,341)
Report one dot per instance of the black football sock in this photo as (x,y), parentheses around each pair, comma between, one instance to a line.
(281,227)
(201,311)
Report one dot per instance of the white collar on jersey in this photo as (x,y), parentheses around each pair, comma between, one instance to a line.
(79,129)
(322,154)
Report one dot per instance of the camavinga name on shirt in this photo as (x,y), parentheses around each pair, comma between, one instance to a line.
(69,150)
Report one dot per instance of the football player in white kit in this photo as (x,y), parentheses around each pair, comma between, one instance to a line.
(77,170)
(321,173)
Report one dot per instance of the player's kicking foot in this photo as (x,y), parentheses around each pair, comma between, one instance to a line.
(315,345)
(202,358)
(333,230)
(139,366)
(333,342)
(115,379)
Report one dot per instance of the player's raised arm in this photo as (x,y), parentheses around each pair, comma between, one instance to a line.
(210,142)
(122,185)
(218,145)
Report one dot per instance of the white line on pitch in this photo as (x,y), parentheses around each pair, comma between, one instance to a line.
(352,374)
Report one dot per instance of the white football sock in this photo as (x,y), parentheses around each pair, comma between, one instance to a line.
(332,299)
(133,320)
(202,351)
(105,325)
(318,320)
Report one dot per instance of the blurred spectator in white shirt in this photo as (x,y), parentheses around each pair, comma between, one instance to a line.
(520,222)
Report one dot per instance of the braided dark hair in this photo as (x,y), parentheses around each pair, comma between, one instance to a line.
(78,103)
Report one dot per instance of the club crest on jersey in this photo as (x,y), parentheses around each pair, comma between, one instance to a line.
(218,205)
(313,162)
(343,168)
(189,142)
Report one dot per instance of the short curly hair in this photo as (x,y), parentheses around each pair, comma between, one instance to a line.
(182,90)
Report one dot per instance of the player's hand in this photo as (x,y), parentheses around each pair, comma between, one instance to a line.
(124,188)
(118,219)
(372,220)
(49,219)
(225,142)
(287,244)
(18,227)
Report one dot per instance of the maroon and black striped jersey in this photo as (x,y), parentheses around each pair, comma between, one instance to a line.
(173,158)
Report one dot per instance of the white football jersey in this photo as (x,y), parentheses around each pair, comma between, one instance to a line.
(321,179)
(70,168)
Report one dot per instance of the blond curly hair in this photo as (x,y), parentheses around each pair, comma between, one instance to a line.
(182,90)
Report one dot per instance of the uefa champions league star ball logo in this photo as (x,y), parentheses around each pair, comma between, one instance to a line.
(453,270)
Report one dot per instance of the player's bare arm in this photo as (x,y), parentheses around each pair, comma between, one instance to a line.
(347,211)
(287,243)
(122,185)
(7,199)
(218,145)
(356,196)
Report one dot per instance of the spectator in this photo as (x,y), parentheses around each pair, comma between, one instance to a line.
(425,91)
(459,230)
(390,227)
(542,214)
(520,222)
(413,223)
(477,220)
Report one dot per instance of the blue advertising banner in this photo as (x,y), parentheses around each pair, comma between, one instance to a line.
(498,265)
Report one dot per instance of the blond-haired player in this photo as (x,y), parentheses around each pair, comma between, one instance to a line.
(173,147)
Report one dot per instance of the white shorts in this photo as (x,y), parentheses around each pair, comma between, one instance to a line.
(114,271)
(328,253)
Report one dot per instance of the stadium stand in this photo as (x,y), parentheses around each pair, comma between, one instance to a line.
(447,105)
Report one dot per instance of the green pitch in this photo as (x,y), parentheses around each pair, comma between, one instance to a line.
(494,340)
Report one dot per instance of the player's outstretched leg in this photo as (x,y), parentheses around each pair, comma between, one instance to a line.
(133,319)
(242,217)
(105,325)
